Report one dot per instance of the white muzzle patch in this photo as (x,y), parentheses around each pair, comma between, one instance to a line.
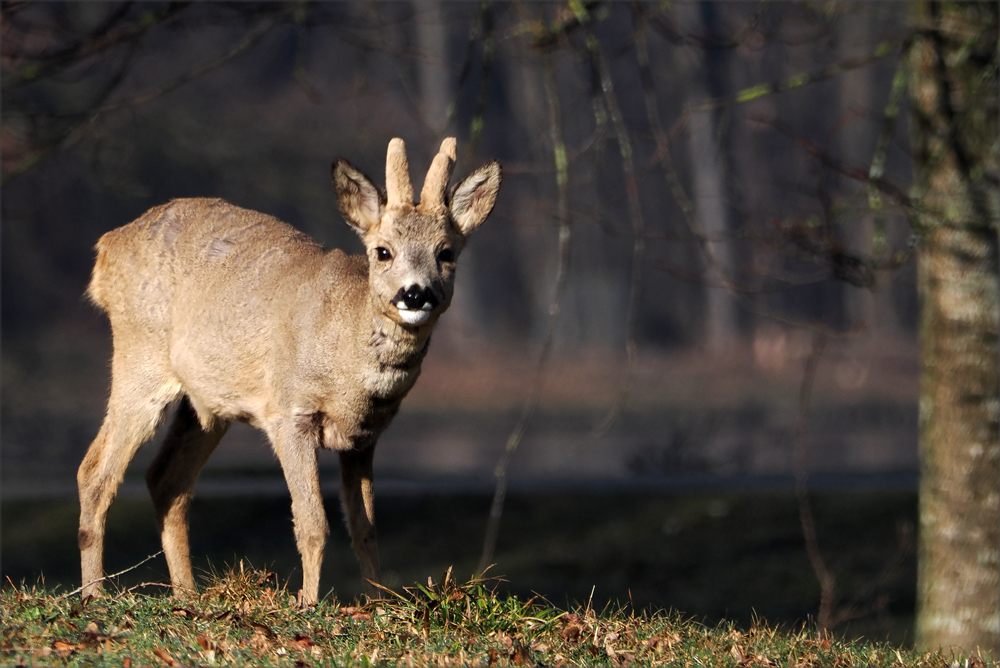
(414,316)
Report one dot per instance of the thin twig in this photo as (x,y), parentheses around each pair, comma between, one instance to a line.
(635,214)
(565,236)
(109,577)
(489,46)
(148,584)
(107,36)
(244,44)
(884,49)
(664,155)
(806,518)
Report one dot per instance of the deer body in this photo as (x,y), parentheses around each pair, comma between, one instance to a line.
(242,317)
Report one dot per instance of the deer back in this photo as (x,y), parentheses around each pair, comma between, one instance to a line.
(255,321)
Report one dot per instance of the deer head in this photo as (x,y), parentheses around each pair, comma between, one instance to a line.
(412,248)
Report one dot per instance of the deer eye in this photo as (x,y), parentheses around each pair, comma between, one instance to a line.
(446,255)
(383,254)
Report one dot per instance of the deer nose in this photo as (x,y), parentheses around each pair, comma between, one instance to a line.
(415,297)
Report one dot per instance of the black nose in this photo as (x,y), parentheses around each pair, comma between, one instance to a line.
(415,297)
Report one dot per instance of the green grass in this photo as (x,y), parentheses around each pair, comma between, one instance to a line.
(246,617)
(732,556)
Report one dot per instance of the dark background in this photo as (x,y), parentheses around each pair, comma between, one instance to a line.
(686,499)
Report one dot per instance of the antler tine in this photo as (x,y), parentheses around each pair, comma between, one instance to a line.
(399,192)
(432,194)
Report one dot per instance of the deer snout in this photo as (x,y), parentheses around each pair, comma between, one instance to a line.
(415,303)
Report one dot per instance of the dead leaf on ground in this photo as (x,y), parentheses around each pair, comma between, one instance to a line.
(571,632)
(164,656)
(188,612)
(738,654)
(504,640)
(609,647)
(63,648)
(520,656)
(127,662)
(264,630)
(661,642)
(260,640)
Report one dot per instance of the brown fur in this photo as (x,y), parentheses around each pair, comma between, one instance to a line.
(241,317)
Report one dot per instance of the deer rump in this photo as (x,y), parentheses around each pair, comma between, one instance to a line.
(242,317)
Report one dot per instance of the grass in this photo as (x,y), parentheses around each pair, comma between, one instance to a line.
(733,555)
(246,617)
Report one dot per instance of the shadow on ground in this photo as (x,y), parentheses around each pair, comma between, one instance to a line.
(714,555)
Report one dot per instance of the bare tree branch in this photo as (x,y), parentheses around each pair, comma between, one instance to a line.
(106,36)
(600,64)
(806,518)
(249,41)
(565,236)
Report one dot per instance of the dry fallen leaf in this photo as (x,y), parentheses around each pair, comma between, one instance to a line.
(738,654)
(609,647)
(63,648)
(520,656)
(164,656)
(571,632)
(259,640)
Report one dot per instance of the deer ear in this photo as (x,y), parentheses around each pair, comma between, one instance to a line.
(360,200)
(473,198)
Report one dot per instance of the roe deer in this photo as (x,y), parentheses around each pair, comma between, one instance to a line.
(242,317)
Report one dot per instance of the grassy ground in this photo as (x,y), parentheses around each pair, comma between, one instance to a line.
(244,617)
(735,556)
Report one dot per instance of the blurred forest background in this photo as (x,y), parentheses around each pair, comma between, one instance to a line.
(696,295)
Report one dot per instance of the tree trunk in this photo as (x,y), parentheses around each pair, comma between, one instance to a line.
(953,87)
(710,196)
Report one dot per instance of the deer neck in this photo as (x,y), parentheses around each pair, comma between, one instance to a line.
(393,345)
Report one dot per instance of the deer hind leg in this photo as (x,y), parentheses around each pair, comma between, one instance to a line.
(137,403)
(297,453)
(171,479)
(358,499)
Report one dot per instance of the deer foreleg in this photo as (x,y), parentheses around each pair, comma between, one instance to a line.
(297,454)
(358,498)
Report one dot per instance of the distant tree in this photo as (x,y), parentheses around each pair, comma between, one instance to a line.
(953,87)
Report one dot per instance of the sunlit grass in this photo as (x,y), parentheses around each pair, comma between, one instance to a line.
(246,617)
